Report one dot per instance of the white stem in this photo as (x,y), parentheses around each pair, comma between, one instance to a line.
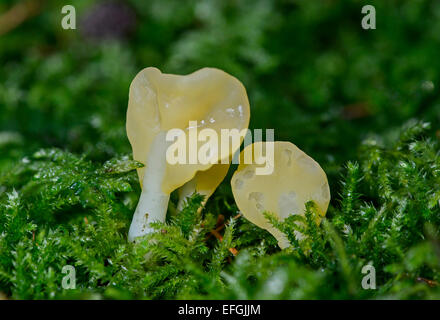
(153,202)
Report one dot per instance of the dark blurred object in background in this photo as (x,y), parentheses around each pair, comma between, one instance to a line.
(108,20)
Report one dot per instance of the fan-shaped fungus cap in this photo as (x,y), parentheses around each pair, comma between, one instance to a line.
(204,183)
(295,180)
(160,103)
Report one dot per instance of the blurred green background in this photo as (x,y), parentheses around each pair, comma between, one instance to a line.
(312,73)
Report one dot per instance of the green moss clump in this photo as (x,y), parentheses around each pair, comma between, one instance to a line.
(59,209)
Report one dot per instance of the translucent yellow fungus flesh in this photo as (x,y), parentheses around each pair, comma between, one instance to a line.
(295,180)
(160,102)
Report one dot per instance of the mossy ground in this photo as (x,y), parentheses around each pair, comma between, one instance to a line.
(364,104)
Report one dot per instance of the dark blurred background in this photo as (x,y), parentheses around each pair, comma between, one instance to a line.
(312,73)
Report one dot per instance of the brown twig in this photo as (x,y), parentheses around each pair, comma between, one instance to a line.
(431,283)
(19,13)
(216,233)
(33,238)
(355,111)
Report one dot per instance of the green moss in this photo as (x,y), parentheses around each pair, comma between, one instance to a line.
(68,188)
(59,209)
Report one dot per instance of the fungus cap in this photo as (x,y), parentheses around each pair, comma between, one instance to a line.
(160,102)
(204,183)
(295,180)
